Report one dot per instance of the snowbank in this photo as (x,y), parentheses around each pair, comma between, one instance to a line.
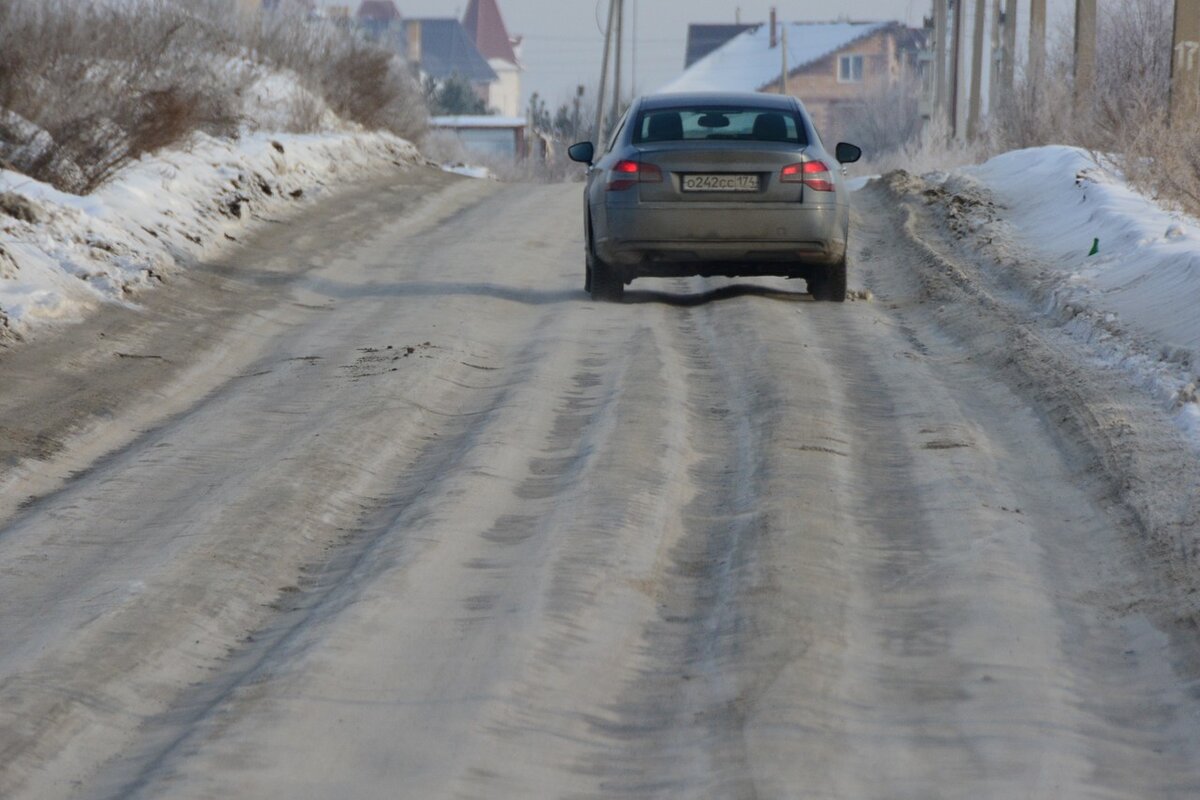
(469,171)
(1137,297)
(62,255)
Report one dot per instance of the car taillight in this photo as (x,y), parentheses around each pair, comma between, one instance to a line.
(813,174)
(627,174)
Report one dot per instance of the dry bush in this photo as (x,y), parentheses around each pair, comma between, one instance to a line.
(1125,122)
(1133,70)
(887,121)
(375,89)
(360,81)
(1038,112)
(106,85)
(87,86)
(1163,162)
(306,113)
(933,149)
(1130,116)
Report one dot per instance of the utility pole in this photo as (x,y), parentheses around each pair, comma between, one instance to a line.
(1085,53)
(579,90)
(975,109)
(955,63)
(620,38)
(939,58)
(633,46)
(783,54)
(997,58)
(1009,44)
(1037,42)
(598,131)
(1185,65)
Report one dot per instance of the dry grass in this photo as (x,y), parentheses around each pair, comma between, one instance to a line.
(932,150)
(107,85)
(1164,163)
(887,122)
(1125,123)
(360,81)
(86,87)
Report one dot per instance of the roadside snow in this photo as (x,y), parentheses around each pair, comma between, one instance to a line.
(274,101)
(469,171)
(61,255)
(1138,297)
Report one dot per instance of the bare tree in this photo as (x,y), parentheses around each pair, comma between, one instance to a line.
(1133,67)
(886,120)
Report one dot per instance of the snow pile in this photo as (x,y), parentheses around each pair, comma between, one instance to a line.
(469,171)
(1120,270)
(278,101)
(61,255)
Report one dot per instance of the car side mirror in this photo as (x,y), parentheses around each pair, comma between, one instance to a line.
(847,153)
(583,152)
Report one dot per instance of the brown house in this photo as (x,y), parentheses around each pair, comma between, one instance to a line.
(830,66)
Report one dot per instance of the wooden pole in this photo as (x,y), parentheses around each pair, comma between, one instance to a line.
(1085,53)
(783,54)
(975,108)
(955,64)
(1009,37)
(939,59)
(1037,41)
(1185,65)
(996,61)
(598,131)
(619,39)
(633,46)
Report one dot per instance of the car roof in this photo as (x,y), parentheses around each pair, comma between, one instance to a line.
(755,99)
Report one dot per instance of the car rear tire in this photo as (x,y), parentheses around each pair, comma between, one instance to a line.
(829,285)
(604,283)
(600,280)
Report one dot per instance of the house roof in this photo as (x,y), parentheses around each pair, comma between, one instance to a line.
(702,39)
(447,50)
(378,11)
(486,28)
(747,62)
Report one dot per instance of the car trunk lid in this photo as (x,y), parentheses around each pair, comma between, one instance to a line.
(720,172)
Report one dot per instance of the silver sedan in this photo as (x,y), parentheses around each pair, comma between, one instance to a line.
(716,184)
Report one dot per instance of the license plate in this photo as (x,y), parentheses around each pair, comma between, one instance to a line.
(720,183)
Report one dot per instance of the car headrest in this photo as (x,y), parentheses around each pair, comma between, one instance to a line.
(770,128)
(665,126)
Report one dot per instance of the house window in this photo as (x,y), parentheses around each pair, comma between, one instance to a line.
(850,69)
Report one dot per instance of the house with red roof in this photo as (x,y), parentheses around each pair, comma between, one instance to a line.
(486,28)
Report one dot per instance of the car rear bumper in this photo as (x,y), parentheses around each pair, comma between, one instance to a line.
(732,238)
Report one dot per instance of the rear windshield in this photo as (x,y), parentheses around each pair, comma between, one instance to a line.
(698,124)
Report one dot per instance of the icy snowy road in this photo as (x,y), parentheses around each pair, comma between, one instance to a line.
(387,507)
